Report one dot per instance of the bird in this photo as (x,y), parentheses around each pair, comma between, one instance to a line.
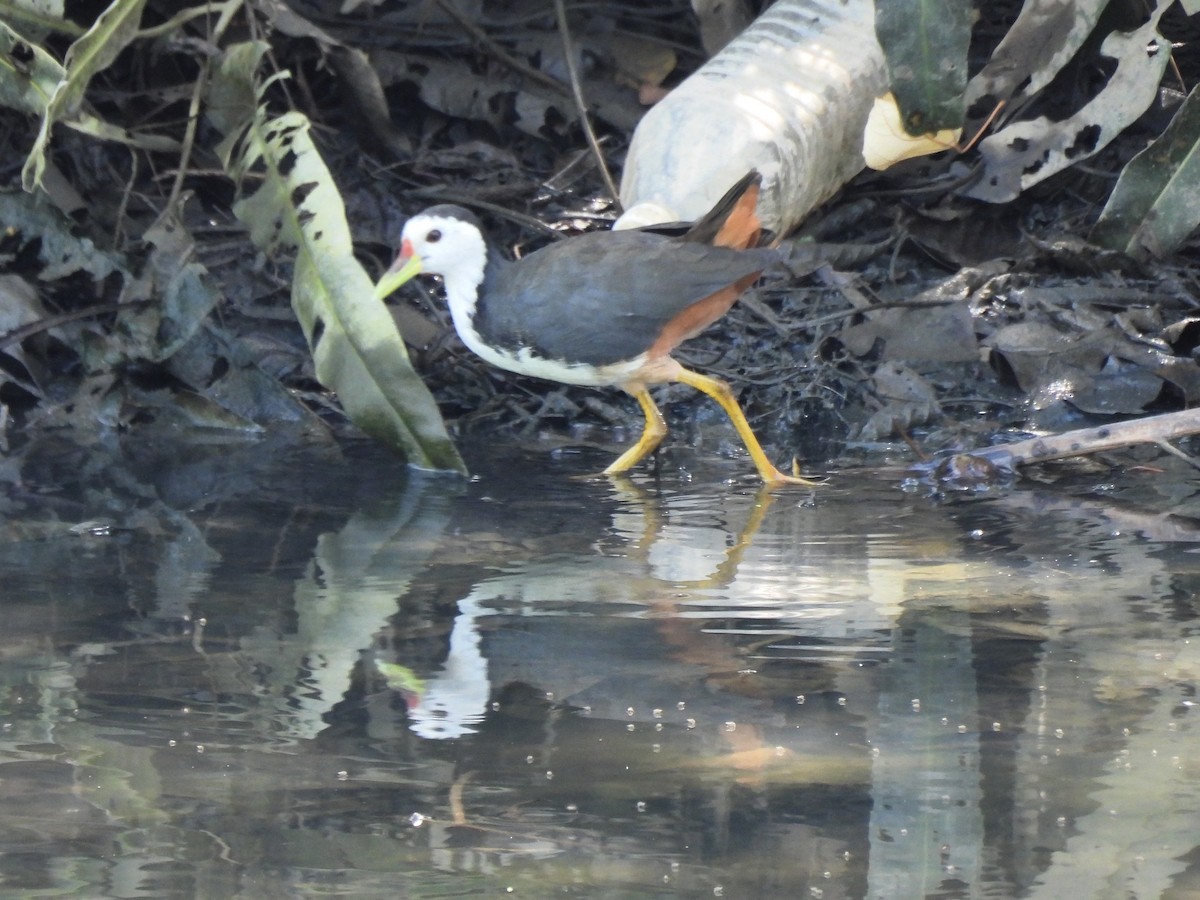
(602,309)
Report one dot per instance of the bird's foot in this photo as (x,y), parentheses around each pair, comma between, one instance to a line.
(772,477)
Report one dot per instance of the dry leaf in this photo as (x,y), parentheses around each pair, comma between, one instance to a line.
(885,142)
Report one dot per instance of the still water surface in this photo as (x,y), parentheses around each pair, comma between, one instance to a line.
(287,675)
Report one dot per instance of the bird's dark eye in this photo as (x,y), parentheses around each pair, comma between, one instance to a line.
(433,237)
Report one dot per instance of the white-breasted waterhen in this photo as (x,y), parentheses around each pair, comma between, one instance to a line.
(601,309)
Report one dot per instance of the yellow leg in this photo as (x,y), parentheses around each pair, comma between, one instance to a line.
(722,393)
(652,435)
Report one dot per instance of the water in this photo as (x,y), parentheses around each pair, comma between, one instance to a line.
(264,674)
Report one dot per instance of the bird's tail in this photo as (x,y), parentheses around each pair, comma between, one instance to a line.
(733,222)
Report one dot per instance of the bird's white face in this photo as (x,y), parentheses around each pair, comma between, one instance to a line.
(448,247)
(439,245)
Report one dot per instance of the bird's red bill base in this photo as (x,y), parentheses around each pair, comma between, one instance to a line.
(406,267)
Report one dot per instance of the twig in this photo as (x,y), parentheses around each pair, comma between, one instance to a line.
(182,18)
(1148,430)
(458,813)
(227,10)
(560,10)
(1083,441)
(499,52)
(19,334)
(1170,448)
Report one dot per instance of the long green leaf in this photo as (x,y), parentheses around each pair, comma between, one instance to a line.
(354,341)
(89,55)
(1156,203)
(925,43)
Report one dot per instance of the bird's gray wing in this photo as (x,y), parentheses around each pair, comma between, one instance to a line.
(605,297)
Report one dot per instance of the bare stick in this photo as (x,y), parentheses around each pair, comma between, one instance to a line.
(560,10)
(1148,430)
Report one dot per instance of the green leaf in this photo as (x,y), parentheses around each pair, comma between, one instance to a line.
(354,341)
(37,17)
(85,123)
(925,43)
(231,100)
(89,55)
(28,74)
(29,77)
(1156,203)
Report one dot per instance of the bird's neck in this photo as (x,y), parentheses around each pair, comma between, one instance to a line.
(466,285)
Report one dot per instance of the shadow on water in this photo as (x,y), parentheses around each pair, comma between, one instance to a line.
(233,673)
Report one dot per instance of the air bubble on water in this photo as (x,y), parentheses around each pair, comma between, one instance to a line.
(800,699)
(962,729)
(690,723)
(841,701)
(529,760)
(916,704)
(656,713)
(632,726)
(343,775)
(416,820)
(729,727)
(681,705)
(641,806)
